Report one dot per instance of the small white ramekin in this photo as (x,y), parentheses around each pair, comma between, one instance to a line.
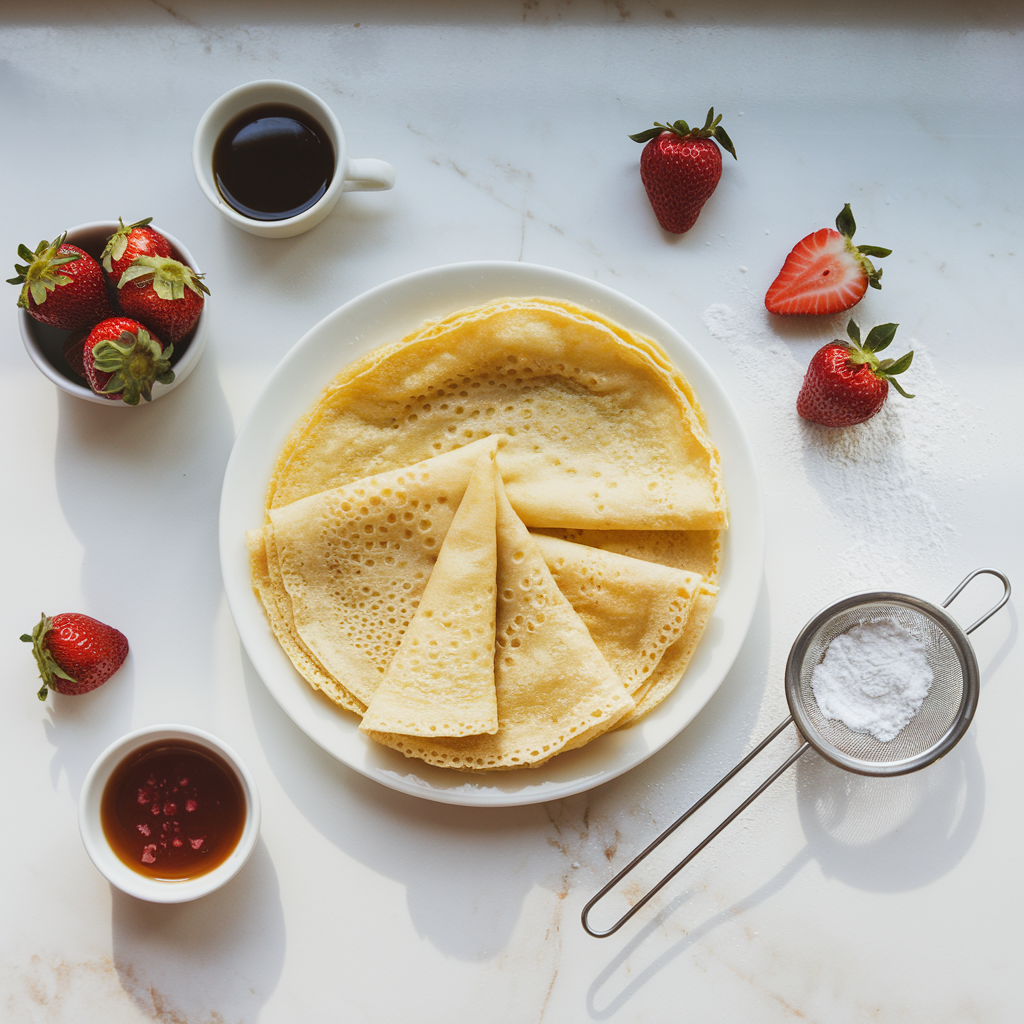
(45,345)
(350,175)
(114,869)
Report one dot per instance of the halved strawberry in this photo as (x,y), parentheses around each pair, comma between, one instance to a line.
(122,360)
(825,272)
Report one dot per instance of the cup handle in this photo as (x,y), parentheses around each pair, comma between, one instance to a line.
(369,175)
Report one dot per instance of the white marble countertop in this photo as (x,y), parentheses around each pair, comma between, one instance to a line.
(835,898)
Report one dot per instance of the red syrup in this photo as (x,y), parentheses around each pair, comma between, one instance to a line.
(173,810)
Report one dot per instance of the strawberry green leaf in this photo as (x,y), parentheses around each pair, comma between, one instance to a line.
(45,661)
(39,288)
(169,277)
(40,277)
(711,130)
(874,250)
(651,133)
(900,365)
(896,385)
(853,331)
(135,361)
(845,223)
(722,137)
(880,337)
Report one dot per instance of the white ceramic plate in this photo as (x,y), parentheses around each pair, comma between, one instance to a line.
(386,314)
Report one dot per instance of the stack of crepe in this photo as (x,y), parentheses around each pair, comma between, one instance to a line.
(498,538)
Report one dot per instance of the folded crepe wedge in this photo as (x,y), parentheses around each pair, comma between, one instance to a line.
(552,684)
(669,672)
(600,434)
(266,582)
(635,610)
(441,681)
(697,551)
(351,565)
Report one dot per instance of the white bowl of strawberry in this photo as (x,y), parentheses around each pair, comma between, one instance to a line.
(112,313)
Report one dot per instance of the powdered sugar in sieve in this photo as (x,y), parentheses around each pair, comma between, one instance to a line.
(873,678)
(938,646)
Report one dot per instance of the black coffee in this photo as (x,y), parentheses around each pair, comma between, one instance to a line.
(273,161)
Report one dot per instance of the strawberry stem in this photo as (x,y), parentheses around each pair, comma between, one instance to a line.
(847,226)
(39,274)
(879,338)
(712,130)
(169,277)
(135,362)
(45,661)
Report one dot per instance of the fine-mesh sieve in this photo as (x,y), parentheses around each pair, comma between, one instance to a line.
(935,729)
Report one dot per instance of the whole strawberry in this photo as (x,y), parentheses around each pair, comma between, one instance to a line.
(130,242)
(165,295)
(75,653)
(62,286)
(848,384)
(680,167)
(122,360)
(825,272)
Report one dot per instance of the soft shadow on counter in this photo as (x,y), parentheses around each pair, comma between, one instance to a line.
(877,834)
(468,871)
(613,998)
(466,905)
(140,490)
(892,835)
(78,728)
(218,958)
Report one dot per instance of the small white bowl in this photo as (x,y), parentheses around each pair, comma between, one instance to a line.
(350,175)
(157,890)
(45,345)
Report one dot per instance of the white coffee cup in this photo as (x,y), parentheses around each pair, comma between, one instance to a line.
(350,175)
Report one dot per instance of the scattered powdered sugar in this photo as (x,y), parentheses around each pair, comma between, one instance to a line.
(873,678)
(875,492)
(861,508)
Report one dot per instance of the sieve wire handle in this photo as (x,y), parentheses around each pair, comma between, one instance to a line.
(999,604)
(700,846)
